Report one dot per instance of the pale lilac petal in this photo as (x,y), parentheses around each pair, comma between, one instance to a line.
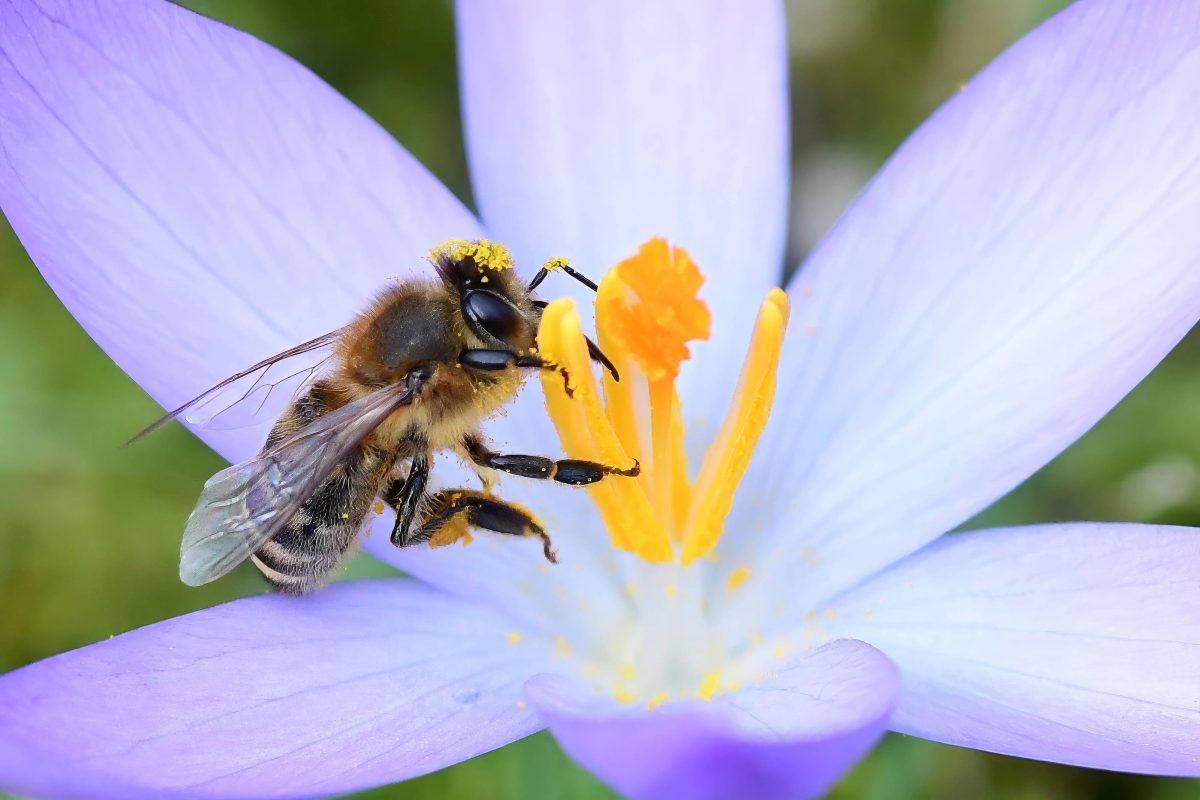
(361,685)
(1028,256)
(792,735)
(1076,643)
(196,198)
(593,126)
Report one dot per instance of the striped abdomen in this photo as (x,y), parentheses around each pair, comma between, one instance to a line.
(317,540)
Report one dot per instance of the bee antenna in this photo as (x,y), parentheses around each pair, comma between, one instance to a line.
(559,263)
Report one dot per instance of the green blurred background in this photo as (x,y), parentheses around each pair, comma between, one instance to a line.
(90,534)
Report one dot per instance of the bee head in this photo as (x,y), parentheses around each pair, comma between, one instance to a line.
(492,299)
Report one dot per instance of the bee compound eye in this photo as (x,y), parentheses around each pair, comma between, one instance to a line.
(490,314)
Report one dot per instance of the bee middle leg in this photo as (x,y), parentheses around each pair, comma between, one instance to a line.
(405,497)
(481,511)
(571,471)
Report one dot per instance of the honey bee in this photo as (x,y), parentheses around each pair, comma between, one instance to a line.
(417,372)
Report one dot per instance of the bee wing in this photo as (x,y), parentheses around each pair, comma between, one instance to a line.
(240,400)
(245,505)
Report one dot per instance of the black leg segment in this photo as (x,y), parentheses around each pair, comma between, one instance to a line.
(496,360)
(406,498)
(481,511)
(570,471)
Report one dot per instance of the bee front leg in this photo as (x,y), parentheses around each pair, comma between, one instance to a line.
(481,511)
(570,471)
(405,497)
(498,360)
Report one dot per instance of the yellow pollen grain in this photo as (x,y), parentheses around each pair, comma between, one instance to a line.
(727,459)
(378,507)
(631,589)
(737,578)
(556,264)
(486,254)
(622,695)
(521,704)
(708,686)
(869,614)
(756,639)
(514,638)
(831,614)
(627,672)
(562,648)
(656,701)
(779,651)
(671,590)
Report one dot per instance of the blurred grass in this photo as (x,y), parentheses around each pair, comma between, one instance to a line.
(89,539)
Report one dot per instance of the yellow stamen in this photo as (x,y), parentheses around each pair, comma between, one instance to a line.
(647,313)
(729,456)
(586,433)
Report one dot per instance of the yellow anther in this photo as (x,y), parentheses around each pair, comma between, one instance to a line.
(729,455)
(586,433)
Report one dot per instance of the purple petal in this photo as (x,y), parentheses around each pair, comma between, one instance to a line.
(792,735)
(197,199)
(1026,258)
(361,685)
(1076,643)
(592,127)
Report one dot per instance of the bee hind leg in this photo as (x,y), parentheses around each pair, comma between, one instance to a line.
(479,510)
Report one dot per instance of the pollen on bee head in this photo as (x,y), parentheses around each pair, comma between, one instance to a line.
(556,264)
(485,253)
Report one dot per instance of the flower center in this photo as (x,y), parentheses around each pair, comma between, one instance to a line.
(647,312)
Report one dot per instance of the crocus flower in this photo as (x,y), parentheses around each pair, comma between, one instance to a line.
(199,201)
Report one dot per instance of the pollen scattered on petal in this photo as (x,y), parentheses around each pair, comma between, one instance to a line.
(514,637)
(656,701)
(521,704)
(708,687)
(562,648)
(622,695)
(671,590)
(737,578)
